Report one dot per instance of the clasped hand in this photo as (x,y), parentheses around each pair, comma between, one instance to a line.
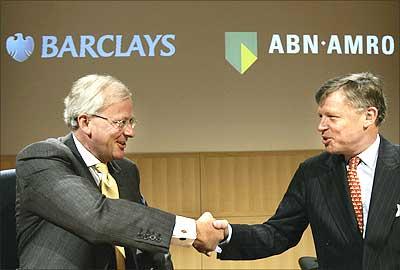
(210,233)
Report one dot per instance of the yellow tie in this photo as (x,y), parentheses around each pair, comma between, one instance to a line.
(109,188)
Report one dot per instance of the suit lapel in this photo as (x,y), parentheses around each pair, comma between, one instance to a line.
(336,193)
(385,194)
(116,172)
(125,182)
(82,169)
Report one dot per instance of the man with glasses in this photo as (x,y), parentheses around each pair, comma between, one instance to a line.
(78,202)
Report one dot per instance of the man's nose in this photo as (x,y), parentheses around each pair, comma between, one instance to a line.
(322,124)
(129,131)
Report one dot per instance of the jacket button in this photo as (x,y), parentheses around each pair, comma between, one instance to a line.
(158,238)
(327,243)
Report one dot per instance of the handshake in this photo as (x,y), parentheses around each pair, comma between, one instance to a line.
(210,232)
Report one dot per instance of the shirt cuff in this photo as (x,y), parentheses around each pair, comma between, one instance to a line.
(184,232)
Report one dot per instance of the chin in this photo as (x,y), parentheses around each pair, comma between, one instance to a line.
(119,155)
(330,150)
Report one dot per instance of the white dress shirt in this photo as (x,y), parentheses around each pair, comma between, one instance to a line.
(366,172)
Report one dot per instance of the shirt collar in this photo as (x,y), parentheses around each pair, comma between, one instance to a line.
(88,158)
(370,155)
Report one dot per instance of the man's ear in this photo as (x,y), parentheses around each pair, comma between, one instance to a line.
(371,115)
(83,122)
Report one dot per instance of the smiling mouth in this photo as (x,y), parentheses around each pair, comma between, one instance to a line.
(122,145)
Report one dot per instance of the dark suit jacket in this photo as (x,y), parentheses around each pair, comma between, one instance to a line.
(63,220)
(318,195)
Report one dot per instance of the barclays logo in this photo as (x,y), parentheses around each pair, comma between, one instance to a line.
(90,46)
(20,48)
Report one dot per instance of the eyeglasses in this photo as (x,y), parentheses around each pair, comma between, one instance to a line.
(120,124)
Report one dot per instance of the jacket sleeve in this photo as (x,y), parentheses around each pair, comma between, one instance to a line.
(281,232)
(49,187)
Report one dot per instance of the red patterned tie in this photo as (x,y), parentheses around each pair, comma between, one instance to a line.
(355,190)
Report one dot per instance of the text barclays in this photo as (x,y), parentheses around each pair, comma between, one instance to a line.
(108,46)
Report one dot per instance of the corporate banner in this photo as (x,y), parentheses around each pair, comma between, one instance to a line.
(206,75)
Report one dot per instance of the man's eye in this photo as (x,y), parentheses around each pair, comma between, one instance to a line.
(120,122)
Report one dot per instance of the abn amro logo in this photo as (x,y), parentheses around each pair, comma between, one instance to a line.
(241,49)
(20,48)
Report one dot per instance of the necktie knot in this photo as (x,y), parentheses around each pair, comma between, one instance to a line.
(102,167)
(105,177)
(353,162)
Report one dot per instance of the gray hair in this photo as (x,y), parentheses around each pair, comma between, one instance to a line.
(91,94)
(363,90)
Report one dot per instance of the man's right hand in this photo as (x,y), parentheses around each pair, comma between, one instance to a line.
(208,236)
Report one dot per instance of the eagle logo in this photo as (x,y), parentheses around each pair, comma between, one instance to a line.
(20,48)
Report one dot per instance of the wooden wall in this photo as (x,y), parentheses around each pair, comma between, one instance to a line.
(7,162)
(243,187)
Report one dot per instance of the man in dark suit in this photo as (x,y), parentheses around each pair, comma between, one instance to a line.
(78,202)
(349,232)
